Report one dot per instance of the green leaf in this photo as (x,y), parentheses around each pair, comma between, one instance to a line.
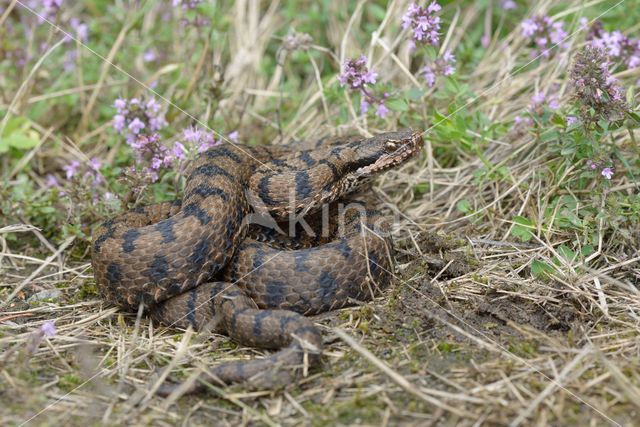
(587,250)
(378,11)
(522,229)
(20,140)
(571,149)
(415,94)
(634,116)
(540,269)
(549,135)
(15,123)
(421,188)
(559,120)
(464,206)
(566,253)
(398,105)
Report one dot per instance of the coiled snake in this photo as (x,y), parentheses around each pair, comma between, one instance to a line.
(191,262)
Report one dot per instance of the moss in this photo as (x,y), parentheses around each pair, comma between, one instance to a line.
(359,410)
(447,347)
(87,291)
(480,279)
(69,382)
(525,349)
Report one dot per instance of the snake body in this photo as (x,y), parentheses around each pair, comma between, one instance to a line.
(191,262)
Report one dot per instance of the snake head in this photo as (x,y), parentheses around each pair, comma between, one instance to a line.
(385,151)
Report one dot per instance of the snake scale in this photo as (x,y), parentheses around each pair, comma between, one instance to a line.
(202,262)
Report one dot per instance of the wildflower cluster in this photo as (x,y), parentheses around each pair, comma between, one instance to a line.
(425,31)
(424,24)
(599,165)
(187,4)
(544,34)
(140,120)
(539,101)
(79,29)
(594,87)
(83,179)
(357,77)
(196,21)
(443,66)
(198,140)
(136,117)
(46,9)
(618,46)
(90,172)
(149,150)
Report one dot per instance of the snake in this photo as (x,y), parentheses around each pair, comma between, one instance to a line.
(218,260)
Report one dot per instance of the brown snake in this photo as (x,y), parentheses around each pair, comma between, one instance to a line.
(191,263)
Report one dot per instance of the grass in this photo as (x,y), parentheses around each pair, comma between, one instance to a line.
(516,296)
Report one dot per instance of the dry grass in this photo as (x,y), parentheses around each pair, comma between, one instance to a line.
(465,336)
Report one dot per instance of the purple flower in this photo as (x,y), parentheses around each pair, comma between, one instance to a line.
(364,105)
(136,126)
(544,34)
(150,55)
(529,27)
(148,148)
(52,3)
(571,120)
(607,172)
(153,107)
(233,136)
(425,25)
(557,33)
(538,98)
(119,122)
(178,151)
(156,162)
(520,125)
(508,4)
(594,88)
(429,75)
(192,134)
(51,181)
(186,4)
(357,77)
(207,143)
(382,110)
(203,141)
(624,49)
(70,58)
(121,105)
(134,116)
(355,73)
(95,164)
(442,66)
(48,328)
(157,123)
(47,9)
(71,168)
(79,29)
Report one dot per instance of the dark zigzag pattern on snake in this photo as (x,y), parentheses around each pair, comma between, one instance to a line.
(191,263)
